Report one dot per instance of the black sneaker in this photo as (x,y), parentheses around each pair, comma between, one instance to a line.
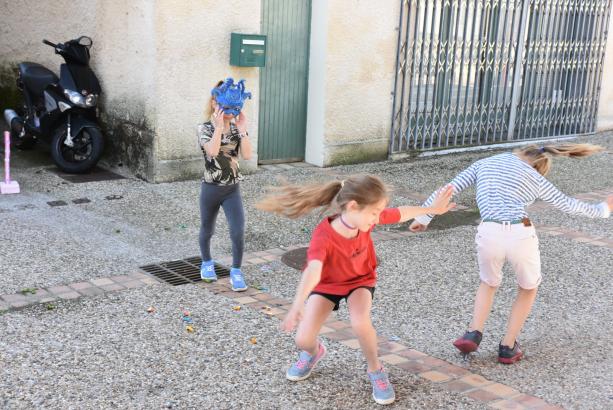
(507,355)
(469,342)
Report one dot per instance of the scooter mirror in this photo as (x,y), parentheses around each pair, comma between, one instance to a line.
(85,41)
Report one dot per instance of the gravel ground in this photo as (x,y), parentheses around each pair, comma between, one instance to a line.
(425,294)
(108,352)
(159,222)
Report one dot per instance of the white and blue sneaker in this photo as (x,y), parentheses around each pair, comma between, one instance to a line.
(207,271)
(237,280)
(382,390)
(302,368)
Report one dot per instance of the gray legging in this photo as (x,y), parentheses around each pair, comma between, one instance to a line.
(229,198)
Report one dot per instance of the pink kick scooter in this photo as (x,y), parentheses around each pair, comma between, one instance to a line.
(8,186)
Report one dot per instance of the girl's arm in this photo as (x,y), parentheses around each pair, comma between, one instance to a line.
(462,181)
(549,193)
(245,149)
(310,279)
(439,205)
(211,144)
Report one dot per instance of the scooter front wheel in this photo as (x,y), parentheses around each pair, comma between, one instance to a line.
(84,153)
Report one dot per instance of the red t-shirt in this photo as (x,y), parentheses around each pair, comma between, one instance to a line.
(348,263)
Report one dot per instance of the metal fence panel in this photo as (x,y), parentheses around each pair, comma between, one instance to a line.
(459,80)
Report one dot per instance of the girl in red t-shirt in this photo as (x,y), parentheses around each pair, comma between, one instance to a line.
(341,264)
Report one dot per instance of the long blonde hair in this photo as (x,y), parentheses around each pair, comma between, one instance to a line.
(294,201)
(540,157)
(209,110)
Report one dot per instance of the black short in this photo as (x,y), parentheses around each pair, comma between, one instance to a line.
(336,299)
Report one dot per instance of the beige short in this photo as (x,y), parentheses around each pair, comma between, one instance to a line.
(497,243)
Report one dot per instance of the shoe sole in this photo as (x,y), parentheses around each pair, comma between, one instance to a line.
(306,376)
(466,346)
(510,360)
(208,280)
(240,289)
(384,402)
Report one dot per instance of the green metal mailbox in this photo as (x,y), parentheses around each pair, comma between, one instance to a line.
(248,50)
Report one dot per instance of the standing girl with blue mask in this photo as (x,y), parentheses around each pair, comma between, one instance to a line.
(222,139)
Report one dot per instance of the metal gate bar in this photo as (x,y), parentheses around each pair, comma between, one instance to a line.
(474,72)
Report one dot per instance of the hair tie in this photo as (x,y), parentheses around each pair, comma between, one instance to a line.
(542,150)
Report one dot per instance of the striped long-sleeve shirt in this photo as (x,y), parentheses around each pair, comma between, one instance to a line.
(506,185)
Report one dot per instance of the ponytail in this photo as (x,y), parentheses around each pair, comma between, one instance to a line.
(540,158)
(294,201)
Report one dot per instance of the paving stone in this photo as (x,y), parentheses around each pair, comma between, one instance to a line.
(482,395)
(475,380)
(80,285)
(19,303)
(506,405)
(392,347)
(245,299)
(393,359)
(339,335)
(69,295)
(121,278)
(15,297)
(414,367)
(529,401)
(102,281)
(351,343)
(93,291)
(112,288)
(500,390)
(133,284)
(338,325)
(458,386)
(435,376)
(411,354)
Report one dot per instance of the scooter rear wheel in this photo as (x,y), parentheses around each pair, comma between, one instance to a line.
(83,155)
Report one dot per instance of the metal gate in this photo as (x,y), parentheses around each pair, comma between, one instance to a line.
(459,81)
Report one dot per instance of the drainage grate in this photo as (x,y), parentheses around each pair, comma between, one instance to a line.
(95,175)
(181,272)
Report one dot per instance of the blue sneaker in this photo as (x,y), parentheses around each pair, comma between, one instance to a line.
(302,368)
(382,390)
(237,280)
(207,271)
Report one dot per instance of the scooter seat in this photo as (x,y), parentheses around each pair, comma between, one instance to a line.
(36,78)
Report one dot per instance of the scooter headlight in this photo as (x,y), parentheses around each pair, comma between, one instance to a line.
(91,100)
(75,98)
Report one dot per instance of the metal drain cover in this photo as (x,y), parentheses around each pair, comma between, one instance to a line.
(181,272)
(295,259)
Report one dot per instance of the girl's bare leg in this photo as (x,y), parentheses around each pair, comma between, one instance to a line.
(360,303)
(316,312)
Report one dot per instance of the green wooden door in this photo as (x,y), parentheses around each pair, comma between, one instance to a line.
(283,82)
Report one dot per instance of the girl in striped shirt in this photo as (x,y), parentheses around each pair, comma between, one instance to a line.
(506,184)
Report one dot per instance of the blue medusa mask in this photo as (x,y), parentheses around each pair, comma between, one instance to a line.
(230,96)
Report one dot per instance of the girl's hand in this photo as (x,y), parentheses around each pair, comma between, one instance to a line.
(441,203)
(218,121)
(417,227)
(610,202)
(241,123)
(291,320)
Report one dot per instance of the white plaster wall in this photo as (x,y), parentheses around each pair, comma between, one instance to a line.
(193,53)
(351,79)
